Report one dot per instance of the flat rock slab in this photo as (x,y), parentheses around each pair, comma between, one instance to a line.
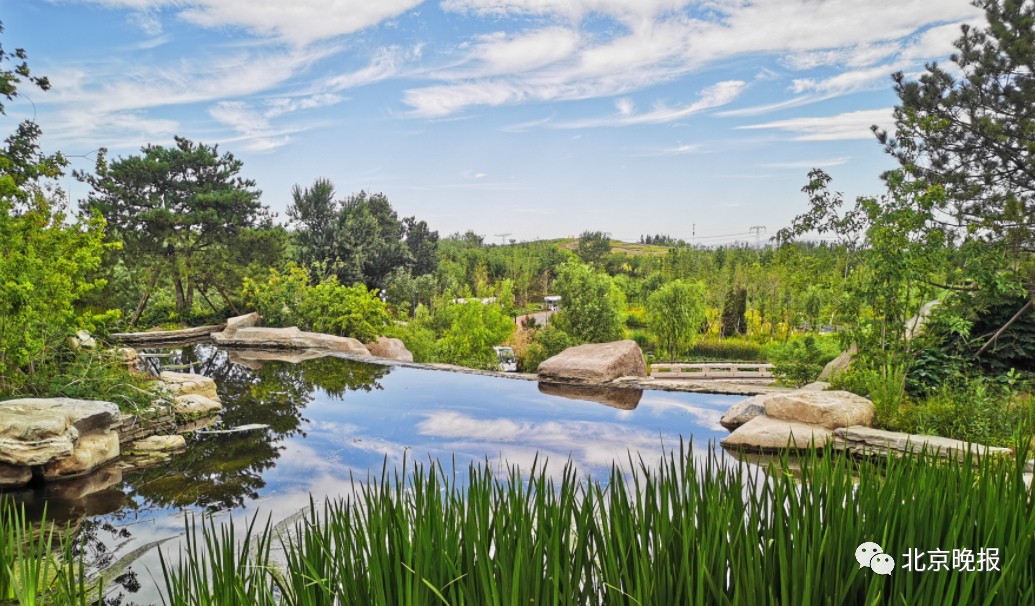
(174,443)
(288,338)
(255,358)
(238,429)
(765,434)
(184,384)
(391,349)
(89,417)
(743,411)
(615,397)
(595,363)
(831,409)
(868,441)
(90,453)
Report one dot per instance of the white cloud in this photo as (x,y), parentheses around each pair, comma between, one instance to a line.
(713,96)
(253,125)
(850,125)
(500,53)
(810,163)
(297,21)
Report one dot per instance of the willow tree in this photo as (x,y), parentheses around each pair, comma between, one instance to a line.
(174,206)
(675,313)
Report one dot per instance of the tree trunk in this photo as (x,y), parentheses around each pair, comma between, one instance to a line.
(222,293)
(155,272)
(179,298)
(201,289)
(188,303)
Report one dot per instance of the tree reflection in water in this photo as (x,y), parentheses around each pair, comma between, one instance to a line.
(224,473)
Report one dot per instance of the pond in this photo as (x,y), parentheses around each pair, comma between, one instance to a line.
(333,420)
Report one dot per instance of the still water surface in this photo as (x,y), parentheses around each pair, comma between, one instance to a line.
(332,420)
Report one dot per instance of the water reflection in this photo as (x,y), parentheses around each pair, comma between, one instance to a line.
(616,397)
(268,388)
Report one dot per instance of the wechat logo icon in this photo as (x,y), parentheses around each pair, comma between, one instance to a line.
(873,557)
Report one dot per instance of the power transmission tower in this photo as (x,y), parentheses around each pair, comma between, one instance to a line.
(758,230)
(502,237)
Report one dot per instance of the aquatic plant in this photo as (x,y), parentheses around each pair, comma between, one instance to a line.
(698,529)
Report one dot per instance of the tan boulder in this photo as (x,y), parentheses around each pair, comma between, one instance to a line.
(13,475)
(615,397)
(869,441)
(742,412)
(236,323)
(392,349)
(90,453)
(172,443)
(595,363)
(831,409)
(182,384)
(839,364)
(195,405)
(87,416)
(767,434)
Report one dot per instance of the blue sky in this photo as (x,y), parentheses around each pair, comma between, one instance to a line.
(536,118)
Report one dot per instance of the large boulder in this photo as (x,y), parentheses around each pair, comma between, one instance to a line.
(765,434)
(289,338)
(831,409)
(37,431)
(183,383)
(839,364)
(615,397)
(194,405)
(392,349)
(595,363)
(90,453)
(742,412)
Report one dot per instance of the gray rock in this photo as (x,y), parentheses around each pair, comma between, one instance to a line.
(595,363)
(392,349)
(742,412)
(839,364)
(84,339)
(765,434)
(290,338)
(831,409)
(817,386)
(870,442)
(89,417)
(90,453)
(915,325)
(183,384)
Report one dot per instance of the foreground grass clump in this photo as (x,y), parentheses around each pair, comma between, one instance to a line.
(696,530)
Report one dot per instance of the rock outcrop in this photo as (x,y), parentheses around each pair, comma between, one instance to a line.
(289,338)
(62,437)
(183,384)
(765,434)
(831,409)
(595,363)
(742,412)
(615,397)
(392,349)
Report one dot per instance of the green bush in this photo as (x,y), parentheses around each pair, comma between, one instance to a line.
(547,342)
(328,307)
(801,360)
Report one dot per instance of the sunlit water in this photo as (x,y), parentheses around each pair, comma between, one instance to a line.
(332,420)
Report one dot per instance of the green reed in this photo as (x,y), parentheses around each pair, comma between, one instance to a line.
(696,529)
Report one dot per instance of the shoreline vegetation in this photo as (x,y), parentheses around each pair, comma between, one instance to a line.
(696,528)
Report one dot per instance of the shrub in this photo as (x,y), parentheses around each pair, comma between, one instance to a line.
(291,300)
(675,313)
(800,361)
(592,306)
(474,330)
(547,342)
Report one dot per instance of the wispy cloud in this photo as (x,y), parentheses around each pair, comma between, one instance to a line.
(810,163)
(714,96)
(849,125)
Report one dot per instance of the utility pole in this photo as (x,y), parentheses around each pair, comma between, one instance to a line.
(758,230)
(503,238)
